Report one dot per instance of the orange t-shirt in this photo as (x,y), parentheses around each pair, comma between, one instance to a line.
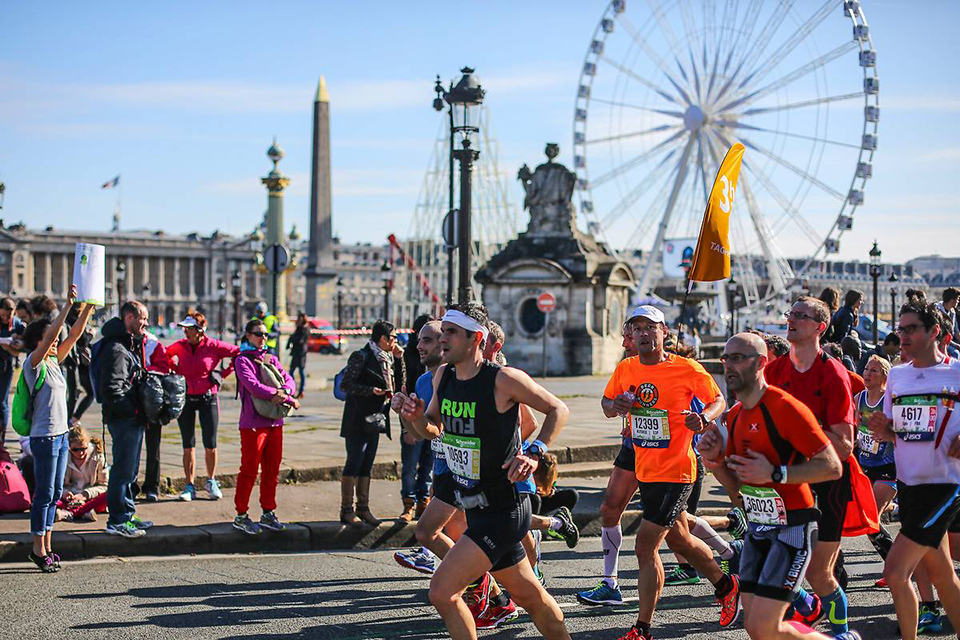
(661,441)
(794,422)
(856,383)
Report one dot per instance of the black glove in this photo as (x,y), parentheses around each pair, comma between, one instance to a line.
(215,378)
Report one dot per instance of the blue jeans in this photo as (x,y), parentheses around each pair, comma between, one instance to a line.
(417,461)
(6,379)
(50,455)
(300,369)
(127,437)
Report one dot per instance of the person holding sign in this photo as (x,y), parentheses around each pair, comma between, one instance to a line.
(655,390)
(774,449)
(918,416)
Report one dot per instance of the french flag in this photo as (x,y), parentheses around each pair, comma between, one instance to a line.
(110,184)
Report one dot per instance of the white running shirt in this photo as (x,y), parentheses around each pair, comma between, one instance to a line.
(919,420)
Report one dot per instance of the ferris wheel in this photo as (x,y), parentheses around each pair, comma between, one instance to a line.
(667,86)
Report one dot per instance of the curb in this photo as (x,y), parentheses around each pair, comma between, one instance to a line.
(221,537)
(391,470)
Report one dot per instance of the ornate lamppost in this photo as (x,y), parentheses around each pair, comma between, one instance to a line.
(875,274)
(339,303)
(236,280)
(386,273)
(893,298)
(222,299)
(121,281)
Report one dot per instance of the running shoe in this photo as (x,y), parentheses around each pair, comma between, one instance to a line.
(151,497)
(213,489)
(269,520)
(730,604)
(542,579)
(419,559)
(732,566)
(603,593)
(537,539)
(568,530)
(140,524)
(680,576)
(634,634)
(930,621)
(848,635)
(477,596)
(809,620)
(738,523)
(881,583)
(127,530)
(189,493)
(246,525)
(495,616)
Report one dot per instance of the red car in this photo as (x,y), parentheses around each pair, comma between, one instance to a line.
(324,338)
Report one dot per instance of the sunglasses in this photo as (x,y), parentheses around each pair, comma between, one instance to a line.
(796,315)
(78,449)
(908,329)
(737,358)
(259,334)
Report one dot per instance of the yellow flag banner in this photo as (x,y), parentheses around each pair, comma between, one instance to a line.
(711,261)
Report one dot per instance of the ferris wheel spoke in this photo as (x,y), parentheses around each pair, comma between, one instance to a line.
(784,203)
(768,246)
(754,50)
(638,159)
(641,42)
(632,74)
(636,193)
(731,124)
(792,167)
(802,104)
(635,134)
(656,9)
(615,103)
(794,75)
(804,30)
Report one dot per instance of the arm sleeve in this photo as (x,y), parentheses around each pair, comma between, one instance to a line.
(839,398)
(351,375)
(247,377)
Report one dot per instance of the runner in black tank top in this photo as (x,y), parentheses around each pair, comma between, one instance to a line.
(476,410)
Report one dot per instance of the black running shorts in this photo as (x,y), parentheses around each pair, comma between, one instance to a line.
(499,530)
(663,501)
(694,500)
(774,560)
(883,473)
(832,499)
(625,458)
(443,488)
(927,511)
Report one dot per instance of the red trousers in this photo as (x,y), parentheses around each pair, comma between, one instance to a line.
(98,504)
(260,449)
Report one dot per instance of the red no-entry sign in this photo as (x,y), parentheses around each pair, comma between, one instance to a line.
(546,302)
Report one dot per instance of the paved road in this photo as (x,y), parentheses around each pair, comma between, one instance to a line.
(345,596)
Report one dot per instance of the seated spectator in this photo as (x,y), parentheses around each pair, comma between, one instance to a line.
(85,483)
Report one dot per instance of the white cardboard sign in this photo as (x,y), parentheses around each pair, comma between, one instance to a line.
(88,273)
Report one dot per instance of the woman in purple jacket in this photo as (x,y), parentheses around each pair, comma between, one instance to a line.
(261,438)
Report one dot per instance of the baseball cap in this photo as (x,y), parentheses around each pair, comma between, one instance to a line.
(190,321)
(647,311)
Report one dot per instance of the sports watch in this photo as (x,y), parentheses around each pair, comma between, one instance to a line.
(779,475)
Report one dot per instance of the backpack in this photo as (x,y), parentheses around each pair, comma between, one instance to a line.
(14,493)
(22,408)
(338,391)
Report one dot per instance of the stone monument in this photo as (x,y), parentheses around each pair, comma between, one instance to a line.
(592,286)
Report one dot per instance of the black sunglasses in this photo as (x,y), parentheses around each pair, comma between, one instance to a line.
(78,449)
(259,334)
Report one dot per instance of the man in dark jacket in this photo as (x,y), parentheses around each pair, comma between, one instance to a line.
(372,374)
(120,367)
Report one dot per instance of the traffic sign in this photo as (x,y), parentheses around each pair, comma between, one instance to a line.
(546,302)
(276,258)
(451,227)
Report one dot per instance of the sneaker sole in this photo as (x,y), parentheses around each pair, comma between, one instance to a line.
(507,618)
(408,565)
(113,532)
(736,616)
(242,530)
(682,583)
(598,603)
(263,526)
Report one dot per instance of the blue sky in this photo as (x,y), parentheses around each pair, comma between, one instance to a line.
(184,101)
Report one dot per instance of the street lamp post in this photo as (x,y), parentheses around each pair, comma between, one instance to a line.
(438,105)
(893,297)
(387,274)
(145,290)
(121,281)
(875,274)
(732,289)
(236,281)
(222,298)
(465,99)
(339,303)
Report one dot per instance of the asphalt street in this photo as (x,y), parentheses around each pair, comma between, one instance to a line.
(350,596)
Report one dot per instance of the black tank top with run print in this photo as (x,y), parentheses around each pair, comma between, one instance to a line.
(477,439)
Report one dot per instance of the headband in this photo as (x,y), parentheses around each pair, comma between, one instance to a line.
(465,322)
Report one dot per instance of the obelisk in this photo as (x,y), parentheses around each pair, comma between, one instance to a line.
(320,272)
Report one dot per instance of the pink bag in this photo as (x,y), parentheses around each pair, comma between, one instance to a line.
(14,495)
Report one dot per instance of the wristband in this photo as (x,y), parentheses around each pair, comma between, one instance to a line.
(539,444)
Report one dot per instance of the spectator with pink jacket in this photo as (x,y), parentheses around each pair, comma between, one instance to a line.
(197,358)
(85,483)
(267,393)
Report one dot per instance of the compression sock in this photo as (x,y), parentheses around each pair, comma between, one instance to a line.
(803,602)
(611,537)
(643,628)
(881,542)
(500,600)
(723,586)
(700,528)
(555,524)
(835,606)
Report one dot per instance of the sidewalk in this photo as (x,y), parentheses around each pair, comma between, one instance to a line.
(311,511)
